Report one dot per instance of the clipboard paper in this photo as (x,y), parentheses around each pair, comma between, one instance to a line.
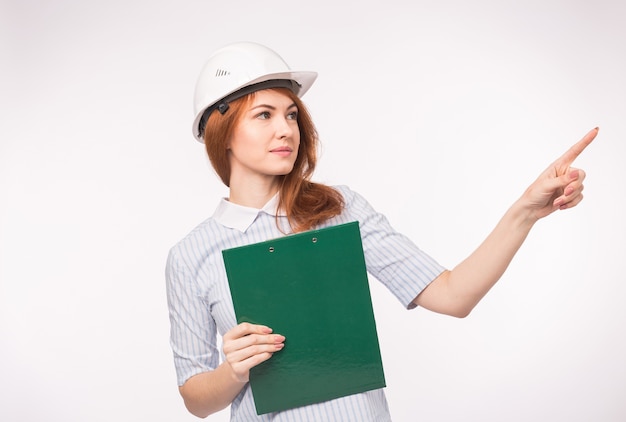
(311,287)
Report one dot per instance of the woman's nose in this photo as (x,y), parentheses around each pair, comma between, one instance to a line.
(284,127)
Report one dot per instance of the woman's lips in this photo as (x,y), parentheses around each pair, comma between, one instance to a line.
(282,151)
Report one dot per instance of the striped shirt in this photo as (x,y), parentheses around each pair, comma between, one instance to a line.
(200,305)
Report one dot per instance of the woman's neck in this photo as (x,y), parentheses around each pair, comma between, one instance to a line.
(253,193)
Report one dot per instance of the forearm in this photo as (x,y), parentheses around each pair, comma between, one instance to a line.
(210,392)
(457,292)
(476,275)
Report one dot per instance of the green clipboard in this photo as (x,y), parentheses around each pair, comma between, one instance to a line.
(311,287)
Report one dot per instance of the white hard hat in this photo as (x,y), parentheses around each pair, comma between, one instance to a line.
(239,69)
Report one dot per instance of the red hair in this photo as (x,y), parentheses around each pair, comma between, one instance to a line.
(307,204)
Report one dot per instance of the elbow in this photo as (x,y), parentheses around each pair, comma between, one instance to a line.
(461,313)
(194,410)
(199,413)
(193,405)
(462,306)
(456,311)
(460,309)
(463,309)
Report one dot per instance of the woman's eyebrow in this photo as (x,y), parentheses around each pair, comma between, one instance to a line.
(271,107)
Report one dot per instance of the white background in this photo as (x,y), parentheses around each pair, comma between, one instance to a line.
(440,113)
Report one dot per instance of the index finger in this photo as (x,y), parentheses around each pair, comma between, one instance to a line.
(571,154)
(246,328)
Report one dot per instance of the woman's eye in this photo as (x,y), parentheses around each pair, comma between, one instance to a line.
(293,115)
(264,115)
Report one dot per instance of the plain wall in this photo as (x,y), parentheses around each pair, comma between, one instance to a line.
(439,113)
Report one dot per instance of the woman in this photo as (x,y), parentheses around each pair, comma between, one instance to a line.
(262,144)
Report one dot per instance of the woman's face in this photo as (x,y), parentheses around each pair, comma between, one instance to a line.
(266,138)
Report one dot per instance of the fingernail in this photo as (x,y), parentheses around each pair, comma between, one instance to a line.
(569,191)
(573,174)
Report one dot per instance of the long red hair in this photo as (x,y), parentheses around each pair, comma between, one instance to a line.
(306,203)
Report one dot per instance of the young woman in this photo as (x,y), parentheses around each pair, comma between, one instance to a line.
(262,144)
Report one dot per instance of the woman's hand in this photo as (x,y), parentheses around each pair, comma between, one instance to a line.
(559,186)
(247,345)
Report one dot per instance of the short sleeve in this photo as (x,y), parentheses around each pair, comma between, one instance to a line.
(390,256)
(193,333)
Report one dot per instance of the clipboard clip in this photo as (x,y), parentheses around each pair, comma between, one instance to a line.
(272,249)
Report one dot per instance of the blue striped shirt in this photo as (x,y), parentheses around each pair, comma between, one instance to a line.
(201,308)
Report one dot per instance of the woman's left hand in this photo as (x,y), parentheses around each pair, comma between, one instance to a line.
(559,186)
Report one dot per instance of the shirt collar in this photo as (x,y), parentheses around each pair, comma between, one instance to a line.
(239,217)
